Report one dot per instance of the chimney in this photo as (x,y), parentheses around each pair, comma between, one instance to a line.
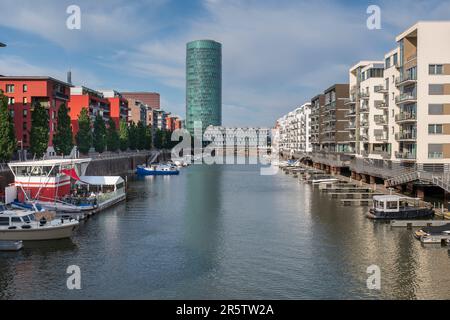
(69,77)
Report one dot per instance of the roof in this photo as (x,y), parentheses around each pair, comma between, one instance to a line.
(50,162)
(101,180)
(392,197)
(35,78)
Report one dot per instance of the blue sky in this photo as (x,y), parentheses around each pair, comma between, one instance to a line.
(276,54)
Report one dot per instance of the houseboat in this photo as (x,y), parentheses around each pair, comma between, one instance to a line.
(61,185)
(396,207)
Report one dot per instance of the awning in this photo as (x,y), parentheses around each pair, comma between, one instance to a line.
(100,180)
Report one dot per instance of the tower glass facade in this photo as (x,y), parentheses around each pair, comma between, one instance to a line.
(203,84)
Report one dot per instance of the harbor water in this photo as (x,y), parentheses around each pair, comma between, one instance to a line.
(227,232)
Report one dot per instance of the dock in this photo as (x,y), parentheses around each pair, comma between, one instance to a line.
(417,223)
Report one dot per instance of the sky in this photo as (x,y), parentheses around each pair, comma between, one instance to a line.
(276,54)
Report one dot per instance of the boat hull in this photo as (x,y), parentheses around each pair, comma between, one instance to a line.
(419,213)
(38,234)
(146,172)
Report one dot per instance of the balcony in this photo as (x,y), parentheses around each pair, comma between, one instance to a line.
(364,123)
(406,155)
(349,101)
(381,105)
(381,137)
(383,153)
(364,95)
(351,113)
(380,120)
(405,79)
(406,136)
(405,117)
(405,98)
(61,96)
(351,126)
(364,109)
(381,89)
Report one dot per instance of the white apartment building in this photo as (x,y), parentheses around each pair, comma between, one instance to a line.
(423,102)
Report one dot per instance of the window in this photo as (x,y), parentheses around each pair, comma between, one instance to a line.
(435,151)
(387,63)
(395,57)
(24,126)
(25,100)
(436,89)
(25,88)
(436,69)
(25,139)
(435,109)
(11,100)
(4,221)
(25,113)
(9,88)
(435,128)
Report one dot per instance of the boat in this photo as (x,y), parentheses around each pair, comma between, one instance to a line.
(390,207)
(26,225)
(61,185)
(157,170)
(432,234)
(11,245)
(443,238)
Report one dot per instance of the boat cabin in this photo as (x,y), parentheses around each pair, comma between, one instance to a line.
(393,203)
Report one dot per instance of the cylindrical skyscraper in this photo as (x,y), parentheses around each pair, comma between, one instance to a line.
(203,83)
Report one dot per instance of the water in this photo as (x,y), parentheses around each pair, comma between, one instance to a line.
(226,232)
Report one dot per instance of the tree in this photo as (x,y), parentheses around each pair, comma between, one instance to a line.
(99,137)
(84,135)
(112,137)
(63,138)
(7,136)
(148,138)
(39,130)
(132,136)
(159,139)
(123,135)
(141,131)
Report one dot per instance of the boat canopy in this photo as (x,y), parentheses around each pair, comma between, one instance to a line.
(101,180)
(50,162)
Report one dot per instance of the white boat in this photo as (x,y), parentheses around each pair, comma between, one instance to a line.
(25,225)
(323,179)
(443,238)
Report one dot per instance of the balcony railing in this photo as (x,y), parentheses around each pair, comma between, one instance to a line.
(405,97)
(381,137)
(405,116)
(364,109)
(364,95)
(380,105)
(405,79)
(380,89)
(380,120)
(406,136)
(405,155)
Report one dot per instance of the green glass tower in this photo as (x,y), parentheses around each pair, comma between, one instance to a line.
(203,83)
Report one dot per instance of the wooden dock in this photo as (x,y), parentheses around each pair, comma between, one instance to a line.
(417,223)
(353,195)
(357,202)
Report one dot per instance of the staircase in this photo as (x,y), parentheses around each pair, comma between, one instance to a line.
(442,181)
(402,178)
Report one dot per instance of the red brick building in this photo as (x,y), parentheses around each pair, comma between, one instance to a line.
(151,99)
(118,106)
(22,92)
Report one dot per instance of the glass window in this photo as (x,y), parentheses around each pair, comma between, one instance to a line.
(435,109)
(435,151)
(4,221)
(16,220)
(9,88)
(435,128)
(435,69)
(387,63)
(25,88)
(395,57)
(25,100)
(436,89)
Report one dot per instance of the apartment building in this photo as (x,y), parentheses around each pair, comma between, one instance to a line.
(137,111)
(118,106)
(368,113)
(334,129)
(423,102)
(92,100)
(316,122)
(23,92)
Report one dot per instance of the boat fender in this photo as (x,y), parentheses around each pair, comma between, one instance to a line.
(43,221)
(12,228)
(26,226)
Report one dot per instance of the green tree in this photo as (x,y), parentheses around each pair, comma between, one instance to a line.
(159,139)
(63,138)
(132,136)
(141,135)
(112,137)
(39,130)
(7,136)
(123,135)
(84,135)
(99,136)
(148,137)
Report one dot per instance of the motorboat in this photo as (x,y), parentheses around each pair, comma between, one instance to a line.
(157,170)
(11,245)
(433,234)
(27,225)
(396,207)
(317,179)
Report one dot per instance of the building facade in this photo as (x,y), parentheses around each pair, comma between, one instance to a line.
(203,84)
(23,92)
(334,124)
(151,99)
(137,111)
(118,106)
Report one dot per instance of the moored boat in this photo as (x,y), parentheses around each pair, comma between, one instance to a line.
(157,170)
(25,225)
(390,207)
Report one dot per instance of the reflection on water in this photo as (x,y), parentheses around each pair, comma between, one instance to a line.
(225,231)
